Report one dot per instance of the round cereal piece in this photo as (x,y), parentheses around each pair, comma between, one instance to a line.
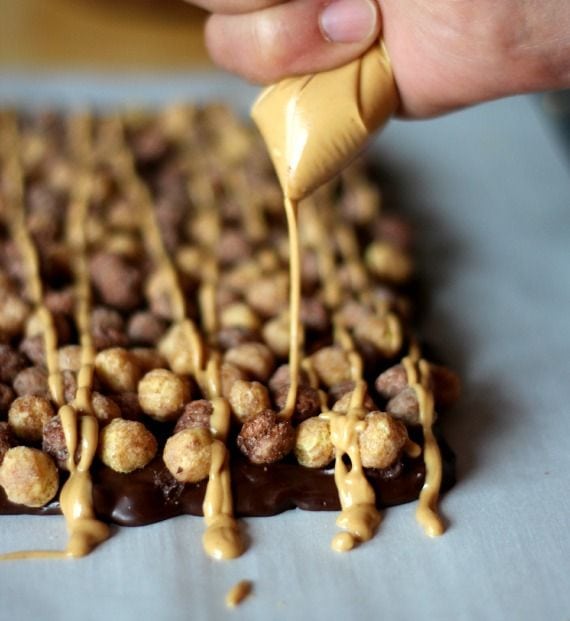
(28,415)
(69,358)
(269,295)
(7,440)
(282,377)
(117,281)
(239,314)
(248,399)
(382,440)
(307,402)
(117,369)
(34,348)
(129,405)
(11,363)
(342,405)
(229,374)
(126,445)
(13,314)
(389,262)
(104,408)
(162,394)
(384,333)
(32,381)
(313,444)
(188,454)
(54,444)
(391,381)
(177,348)
(266,438)
(107,328)
(194,415)
(404,406)
(28,476)
(255,359)
(226,338)
(148,358)
(144,328)
(7,395)
(331,365)
(276,334)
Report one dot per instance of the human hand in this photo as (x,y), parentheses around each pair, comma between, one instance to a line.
(446,54)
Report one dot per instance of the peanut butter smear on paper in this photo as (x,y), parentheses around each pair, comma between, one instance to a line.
(314,125)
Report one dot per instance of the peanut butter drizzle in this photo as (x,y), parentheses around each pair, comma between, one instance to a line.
(222,538)
(76,502)
(238,593)
(418,375)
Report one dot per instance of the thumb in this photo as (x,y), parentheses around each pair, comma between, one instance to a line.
(292,38)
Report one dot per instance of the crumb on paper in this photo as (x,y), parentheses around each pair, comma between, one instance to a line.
(238,593)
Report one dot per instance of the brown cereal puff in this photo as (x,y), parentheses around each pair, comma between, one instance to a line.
(313,314)
(107,328)
(266,438)
(69,385)
(162,394)
(118,283)
(188,454)
(195,414)
(7,440)
(404,406)
(232,247)
(392,381)
(28,415)
(383,333)
(34,348)
(282,376)
(28,476)
(126,445)
(248,399)
(382,440)
(313,444)
(149,359)
(53,442)
(35,326)
(229,337)
(7,395)
(104,408)
(253,358)
(11,363)
(32,381)
(129,405)
(307,403)
(61,301)
(331,365)
(145,328)
(117,369)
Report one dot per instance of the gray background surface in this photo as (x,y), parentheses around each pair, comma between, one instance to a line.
(489,192)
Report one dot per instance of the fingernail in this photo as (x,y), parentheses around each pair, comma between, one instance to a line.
(349,21)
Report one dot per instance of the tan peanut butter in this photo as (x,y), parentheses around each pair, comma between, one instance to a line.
(314,125)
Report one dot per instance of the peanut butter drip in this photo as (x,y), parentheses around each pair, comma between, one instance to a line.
(427,514)
(314,125)
(16,222)
(84,531)
(222,539)
(295,327)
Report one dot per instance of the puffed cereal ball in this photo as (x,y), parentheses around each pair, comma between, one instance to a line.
(28,415)
(188,454)
(313,444)
(162,394)
(382,440)
(28,476)
(126,445)
(248,399)
(117,369)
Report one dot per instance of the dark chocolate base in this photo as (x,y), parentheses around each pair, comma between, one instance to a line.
(152,495)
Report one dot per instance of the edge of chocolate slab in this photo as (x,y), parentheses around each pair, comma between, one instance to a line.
(151,495)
